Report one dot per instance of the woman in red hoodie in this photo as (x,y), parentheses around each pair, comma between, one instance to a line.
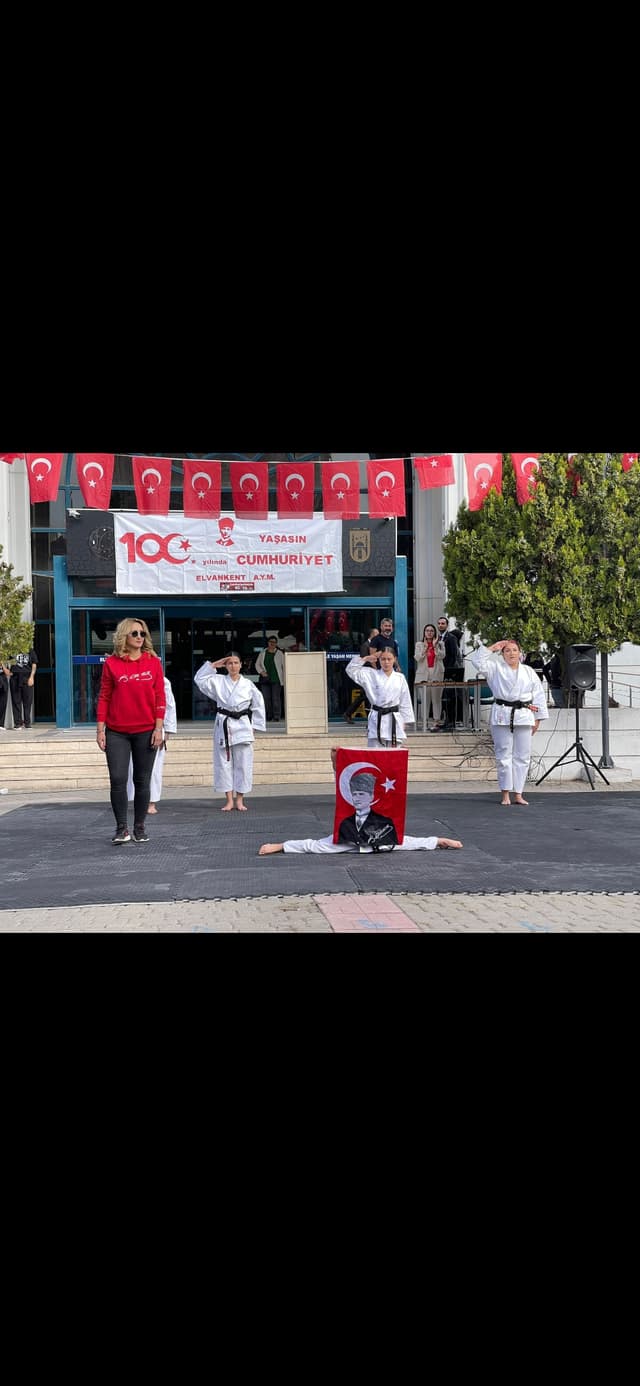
(130,722)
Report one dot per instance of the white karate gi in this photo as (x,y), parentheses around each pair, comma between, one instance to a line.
(384,691)
(237,772)
(512,748)
(170,725)
(327,844)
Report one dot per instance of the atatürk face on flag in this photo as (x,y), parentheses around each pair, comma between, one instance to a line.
(371,798)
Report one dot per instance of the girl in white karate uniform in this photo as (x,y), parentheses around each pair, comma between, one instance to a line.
(518,709)
(170,725)
(388,695)
(233,729)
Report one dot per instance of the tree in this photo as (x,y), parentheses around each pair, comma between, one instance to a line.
(562,569)
(15,634)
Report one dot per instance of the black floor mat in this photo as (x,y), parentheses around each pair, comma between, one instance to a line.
(61,854)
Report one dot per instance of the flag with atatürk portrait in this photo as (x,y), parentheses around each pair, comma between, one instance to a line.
(526,466)
(484,474)
(371,798)
(437,470)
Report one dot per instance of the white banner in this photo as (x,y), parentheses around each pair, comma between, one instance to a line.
(168,554)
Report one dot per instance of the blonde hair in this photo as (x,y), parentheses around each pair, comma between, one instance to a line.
(124,629)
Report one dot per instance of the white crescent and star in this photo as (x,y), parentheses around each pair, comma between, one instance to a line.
(391,477)
(40,462)
(87,468)
(249,476)
(205,477)
(294,476)
(529,462)
(151,471)
(340,476)
(482,467)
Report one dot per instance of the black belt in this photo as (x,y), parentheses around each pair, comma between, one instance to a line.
(382,711)
(502,702)
(228,712)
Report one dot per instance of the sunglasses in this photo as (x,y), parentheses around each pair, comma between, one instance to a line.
(138,634)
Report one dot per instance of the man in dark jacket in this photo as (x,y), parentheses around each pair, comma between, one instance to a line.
(450,673)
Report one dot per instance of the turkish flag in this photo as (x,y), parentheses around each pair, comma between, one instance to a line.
(295,490)
(44,469)
(386,488)
(381,804)
(202,488)
(628,459)
(435,471)
(250,488)
(95,478)
(526,466)
(341,490)
(10,456)
(152,480)
(484,474)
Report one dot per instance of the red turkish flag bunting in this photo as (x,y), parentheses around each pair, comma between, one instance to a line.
(95,478)
(202,488)
(628,459)
(381,803)
(152,480)
(10,456)
(484,474)
(250,489)
(573,475)
(435,471)
(386,487)
(295,490)
(526,466)
(43,469)
(341,490)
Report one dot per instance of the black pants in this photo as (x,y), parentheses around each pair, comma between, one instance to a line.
(22,702)
(4,698)
(272,694)
(121,746)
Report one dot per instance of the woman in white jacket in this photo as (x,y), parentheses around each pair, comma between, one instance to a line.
(518,709)
(170,726)
(240,710)
(429,657)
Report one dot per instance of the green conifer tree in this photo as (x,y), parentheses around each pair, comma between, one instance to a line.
(16,635)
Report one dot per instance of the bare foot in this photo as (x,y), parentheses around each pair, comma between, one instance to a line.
(152,809)
(227,808)
(448,842)
(505,803)
(268,847)
(242,808)
(518,799)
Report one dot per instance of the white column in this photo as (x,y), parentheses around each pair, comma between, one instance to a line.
(15,522)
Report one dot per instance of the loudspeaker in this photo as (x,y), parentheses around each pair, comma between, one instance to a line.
(580,666)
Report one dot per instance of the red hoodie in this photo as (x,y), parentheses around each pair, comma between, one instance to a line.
(132,696)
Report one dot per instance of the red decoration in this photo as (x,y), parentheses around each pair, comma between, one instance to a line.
(435,471)
(341,490)
(484,474)
(95,478)
(386,488)
(10,456)
(628,459)
(250,488)
(43,469)
(202,489)
(295,490)
(152,480)
(384,791)
(526,466)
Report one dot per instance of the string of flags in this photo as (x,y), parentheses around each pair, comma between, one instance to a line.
(202,482)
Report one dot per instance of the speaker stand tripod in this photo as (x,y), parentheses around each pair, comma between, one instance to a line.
(580,754)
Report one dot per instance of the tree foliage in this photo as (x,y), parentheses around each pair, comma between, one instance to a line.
(562,569)
(16,635)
